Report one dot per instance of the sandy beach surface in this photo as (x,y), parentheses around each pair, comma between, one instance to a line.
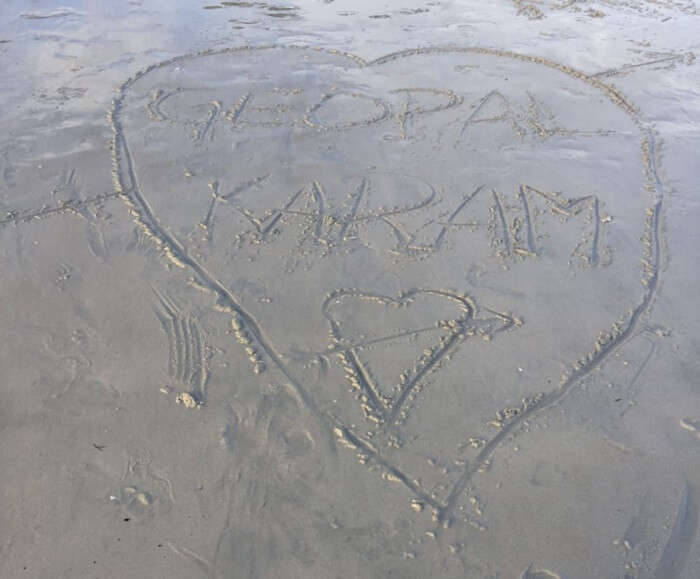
(349,289)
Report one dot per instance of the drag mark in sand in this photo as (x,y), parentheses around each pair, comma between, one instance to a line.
(187,358)
(67,206)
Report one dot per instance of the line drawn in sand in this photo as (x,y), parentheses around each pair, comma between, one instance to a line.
(662,61)
(539,9)
(69,200)
(127,187)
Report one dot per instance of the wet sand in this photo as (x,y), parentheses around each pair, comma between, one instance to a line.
(349,290)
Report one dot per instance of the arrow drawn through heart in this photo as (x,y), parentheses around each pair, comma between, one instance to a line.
(386,406)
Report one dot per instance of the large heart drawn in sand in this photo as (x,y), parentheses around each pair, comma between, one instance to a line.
(452,236)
